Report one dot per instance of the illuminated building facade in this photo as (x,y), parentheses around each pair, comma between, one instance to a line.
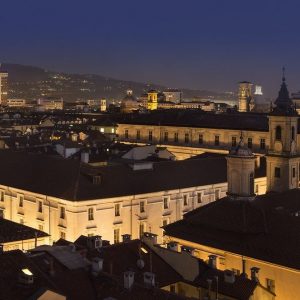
(3,87)
(152,100)
(245,100)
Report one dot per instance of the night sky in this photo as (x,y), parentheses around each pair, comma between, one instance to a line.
(199,44)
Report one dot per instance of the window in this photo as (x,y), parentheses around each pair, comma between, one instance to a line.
(96,179)
(173,288)
(277,172)
(142,229)
(251,182)
(142,207)
(126,134)
(91,214)
(40,206)
(21,199)
(278,133)
(262,144)
(186,138)
(293,133)
(233,141)
(138,134)
(217,140)
(150,136)
(2,196)
(22,221)
(116,235)
(166,202)
(63,235)
(185,200)
(165,222)
(217,194)
(117,210)
(41,227)
(200,139)
(62,212)
(166,136)
(199,197)
(270,283)
(294,172)
(1,213)
(250,143)
(256,189)
(176,137)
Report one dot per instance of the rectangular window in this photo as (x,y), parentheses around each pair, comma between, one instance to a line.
(165,222)
(41,227)
(262,144)
(250,143)
(116,235)
(138,134)
(294,172)
(233,141)
(91,214)
(217,140)
(2,196)
(126,134)
(200,139)
(199,197)
(277,172)
(150,136)
(21,200)
(270,283)
(185,200)
(176,137)
(166,136)
(217,194)
(40,206)
(142,229)
(117,210)
(256,189)
(186,138)
(166,202)
(142,207)
(62,212)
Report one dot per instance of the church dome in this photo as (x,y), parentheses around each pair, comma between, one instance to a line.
(241,150)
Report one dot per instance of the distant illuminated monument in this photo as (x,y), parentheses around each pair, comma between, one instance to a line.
(246,101)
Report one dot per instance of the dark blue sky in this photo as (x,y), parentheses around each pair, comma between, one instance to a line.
(209,44)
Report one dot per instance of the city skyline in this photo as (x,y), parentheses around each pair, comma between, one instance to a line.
(208,46)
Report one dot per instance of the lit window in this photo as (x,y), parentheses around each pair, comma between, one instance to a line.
(21,199)
(102,130)
(116,235)
(166,202)
(277,172)
(90,214)
(185,200)
(40,206)
(142,206)
(270,285)
(117,210)
(62,213)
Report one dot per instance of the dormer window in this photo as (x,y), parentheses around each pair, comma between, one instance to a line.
(278,133)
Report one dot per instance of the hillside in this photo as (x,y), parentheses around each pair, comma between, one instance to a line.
(32,83)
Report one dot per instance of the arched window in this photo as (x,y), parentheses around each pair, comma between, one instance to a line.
(278,133)
(251,182)
(293,133)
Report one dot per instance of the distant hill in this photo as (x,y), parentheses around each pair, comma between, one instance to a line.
(31,83)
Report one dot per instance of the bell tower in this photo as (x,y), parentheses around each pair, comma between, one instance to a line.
(283,158)
(240,172)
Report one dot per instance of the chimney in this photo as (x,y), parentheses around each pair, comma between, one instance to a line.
(151,237)
(188,250)
(149,279)
(26,277)
(128,279)
(97,265)
(126,237)
(173,246)
(94,242)
(254,274)
(229,276)
(212,261)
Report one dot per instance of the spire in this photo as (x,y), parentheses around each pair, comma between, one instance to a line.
(284,105)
